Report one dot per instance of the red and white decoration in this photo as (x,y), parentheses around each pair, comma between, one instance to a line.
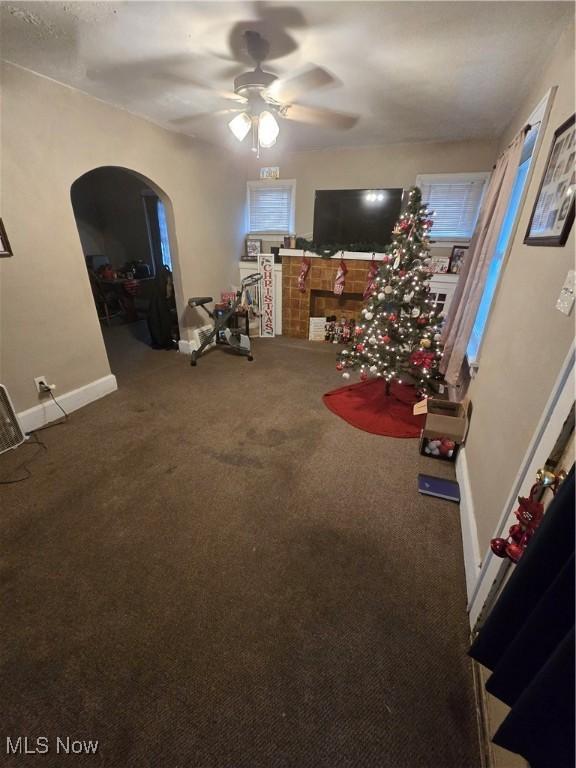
(340,278)
(371,279)
(304,269)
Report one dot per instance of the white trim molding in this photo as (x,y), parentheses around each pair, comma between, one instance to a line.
(555,413)
(470,543)
(42,414)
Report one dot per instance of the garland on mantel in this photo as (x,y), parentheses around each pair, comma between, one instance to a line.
(327,251)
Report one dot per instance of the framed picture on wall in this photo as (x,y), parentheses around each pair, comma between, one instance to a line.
(253,248)
(438,264)
(457,259)
(553,212)
(5,249)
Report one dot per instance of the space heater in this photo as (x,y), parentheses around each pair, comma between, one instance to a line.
(199,335)
(11,434)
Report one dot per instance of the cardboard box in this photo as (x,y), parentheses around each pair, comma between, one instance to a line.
(445,420)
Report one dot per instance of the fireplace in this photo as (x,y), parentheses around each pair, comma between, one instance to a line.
(318,299)
(325,304)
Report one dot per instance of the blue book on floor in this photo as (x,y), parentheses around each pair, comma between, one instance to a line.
(438,486)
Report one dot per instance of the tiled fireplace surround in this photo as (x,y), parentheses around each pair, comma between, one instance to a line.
(318,299)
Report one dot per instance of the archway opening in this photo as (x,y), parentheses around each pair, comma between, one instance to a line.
(123,221)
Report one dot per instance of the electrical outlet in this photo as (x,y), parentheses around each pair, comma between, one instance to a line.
(42,384)
(566,298)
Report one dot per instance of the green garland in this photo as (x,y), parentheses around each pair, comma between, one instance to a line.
(327,251)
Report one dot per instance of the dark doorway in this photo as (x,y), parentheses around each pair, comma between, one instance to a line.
(123,229)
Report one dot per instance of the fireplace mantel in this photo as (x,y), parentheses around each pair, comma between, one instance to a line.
(346,255)
(292,307)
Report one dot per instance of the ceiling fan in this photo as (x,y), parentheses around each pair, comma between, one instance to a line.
(264,97)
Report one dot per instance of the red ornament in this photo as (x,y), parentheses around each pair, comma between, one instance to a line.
(498,546)
(386,339)
(339,366)
(402,273)
(516,532)
(360,347)
(422,320)
(446,447)
(514,552)
(392,318)
(529,515)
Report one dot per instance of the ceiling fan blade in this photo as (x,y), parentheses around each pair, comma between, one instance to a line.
(199,116)
(288,89)
(147,73)
(230,95)
(231,71)
(318,116)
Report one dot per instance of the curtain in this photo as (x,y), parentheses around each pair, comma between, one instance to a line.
(464,305)
(528,643)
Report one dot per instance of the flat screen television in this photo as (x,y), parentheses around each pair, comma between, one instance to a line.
(355,216)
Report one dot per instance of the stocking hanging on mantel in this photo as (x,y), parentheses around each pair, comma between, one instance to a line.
(340,278)
(304,269)
(370,279)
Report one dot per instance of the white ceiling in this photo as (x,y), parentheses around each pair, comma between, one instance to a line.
(412,71)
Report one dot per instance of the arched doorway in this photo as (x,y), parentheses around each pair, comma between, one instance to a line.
(124,223)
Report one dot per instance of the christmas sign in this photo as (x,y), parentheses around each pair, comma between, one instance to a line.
(266,269)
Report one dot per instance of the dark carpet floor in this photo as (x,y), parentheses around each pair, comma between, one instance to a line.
(208,569)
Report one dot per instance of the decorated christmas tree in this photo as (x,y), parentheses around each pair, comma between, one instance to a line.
(398,338)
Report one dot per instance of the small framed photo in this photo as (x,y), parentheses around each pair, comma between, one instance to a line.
(5,249)
(253,248)
(457,259)
(439,264)
(553,213)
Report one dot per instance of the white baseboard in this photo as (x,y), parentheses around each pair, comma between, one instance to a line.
(472,557)
(48,411)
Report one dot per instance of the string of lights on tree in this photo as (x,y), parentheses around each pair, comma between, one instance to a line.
(398,338)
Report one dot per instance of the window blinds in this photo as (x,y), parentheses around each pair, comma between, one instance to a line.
(270,208)
(456,204)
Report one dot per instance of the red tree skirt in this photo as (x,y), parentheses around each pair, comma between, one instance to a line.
(366,406)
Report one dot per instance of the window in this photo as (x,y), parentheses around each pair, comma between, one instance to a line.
(506,233)
(455,199)
(164,240)
(438,301)
(271,207)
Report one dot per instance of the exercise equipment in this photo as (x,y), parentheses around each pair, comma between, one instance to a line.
(220,332)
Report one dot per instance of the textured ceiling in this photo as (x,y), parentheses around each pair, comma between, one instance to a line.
(412,71)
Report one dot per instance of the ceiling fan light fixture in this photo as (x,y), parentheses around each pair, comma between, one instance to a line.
(268,129)
(240,126)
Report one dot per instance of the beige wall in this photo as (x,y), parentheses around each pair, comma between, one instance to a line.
(526,339)
(395,165)
(51,135)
